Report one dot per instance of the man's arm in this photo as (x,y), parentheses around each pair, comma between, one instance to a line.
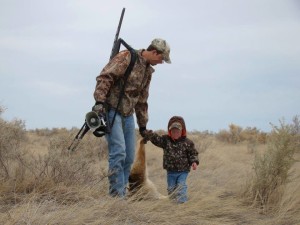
(141,108)
(110,73)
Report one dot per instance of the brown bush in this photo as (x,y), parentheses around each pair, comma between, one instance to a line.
(24,171)
(232,136)
(11,139)
(272,168)
(237,134)
(202,140)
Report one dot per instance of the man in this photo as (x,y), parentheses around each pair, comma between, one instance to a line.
(121,139)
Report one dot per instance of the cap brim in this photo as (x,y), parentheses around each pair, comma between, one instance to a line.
(167,60)
(175,126)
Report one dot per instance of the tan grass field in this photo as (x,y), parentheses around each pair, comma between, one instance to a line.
(49,192)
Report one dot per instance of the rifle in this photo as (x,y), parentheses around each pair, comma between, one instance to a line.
(85,128)
(116,45)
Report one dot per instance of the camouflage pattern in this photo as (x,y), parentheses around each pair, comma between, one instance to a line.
(111,80)
(162,45)
(179,154)
(175,125)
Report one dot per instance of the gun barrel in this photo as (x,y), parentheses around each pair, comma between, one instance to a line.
(115,48)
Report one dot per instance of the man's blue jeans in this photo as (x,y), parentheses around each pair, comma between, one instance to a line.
(177,188)
(121,147)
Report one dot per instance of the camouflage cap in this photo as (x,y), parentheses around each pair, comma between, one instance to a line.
(175,125)
(162,45)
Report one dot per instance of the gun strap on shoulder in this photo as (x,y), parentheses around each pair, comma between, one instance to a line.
(126,74)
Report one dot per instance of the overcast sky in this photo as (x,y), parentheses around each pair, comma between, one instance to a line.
(233,61)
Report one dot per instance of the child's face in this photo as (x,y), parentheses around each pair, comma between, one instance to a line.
(175,133)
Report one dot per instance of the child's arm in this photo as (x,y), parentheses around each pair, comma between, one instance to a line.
(156,139)
(193,156)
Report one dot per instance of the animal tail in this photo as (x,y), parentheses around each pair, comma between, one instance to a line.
(138,170)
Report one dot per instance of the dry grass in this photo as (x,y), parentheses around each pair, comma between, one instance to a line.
(48,185)
(273,168)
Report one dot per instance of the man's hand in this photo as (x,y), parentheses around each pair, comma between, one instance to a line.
(99,108)
(146,134)
(142,131)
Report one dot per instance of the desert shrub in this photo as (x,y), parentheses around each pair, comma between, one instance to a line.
(223,136)
(252,136)
(59,167)
(76,167)
(232,136)
(24,171)
(202,140)
(296,125)
(237,134)
(53,174)
(42,131)
(262,137)
(272,168)
(50,132)
(90,144)
(13,134)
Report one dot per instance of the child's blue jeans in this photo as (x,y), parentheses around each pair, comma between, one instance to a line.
(177,188)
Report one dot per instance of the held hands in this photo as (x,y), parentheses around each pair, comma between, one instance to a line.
(146,134)
(194,166)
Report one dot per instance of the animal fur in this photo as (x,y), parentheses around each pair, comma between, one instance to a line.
(139,183)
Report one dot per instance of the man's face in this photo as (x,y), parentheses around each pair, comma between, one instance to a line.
(155,58)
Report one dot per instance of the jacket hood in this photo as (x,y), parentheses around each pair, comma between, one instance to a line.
(180,120)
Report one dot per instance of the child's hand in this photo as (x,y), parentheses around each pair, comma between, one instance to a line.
(194,166)
(147,135)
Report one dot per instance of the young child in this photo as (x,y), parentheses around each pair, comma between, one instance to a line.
(179,156)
